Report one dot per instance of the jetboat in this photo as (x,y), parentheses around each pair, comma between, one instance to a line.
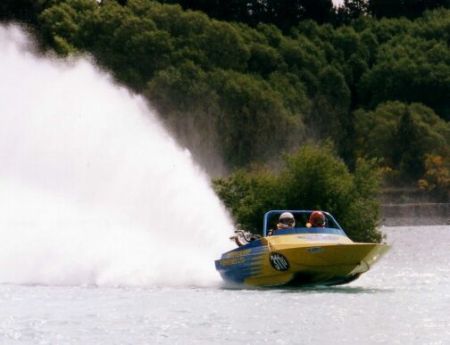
(298,256)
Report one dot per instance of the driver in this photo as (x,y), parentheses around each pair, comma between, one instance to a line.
(316,220)
(286,221)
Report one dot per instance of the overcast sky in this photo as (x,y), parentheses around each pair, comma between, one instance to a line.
(338,2)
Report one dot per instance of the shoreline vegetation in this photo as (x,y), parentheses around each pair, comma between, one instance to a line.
(309,106)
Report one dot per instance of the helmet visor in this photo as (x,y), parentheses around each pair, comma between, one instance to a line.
(287,221)
(319,221)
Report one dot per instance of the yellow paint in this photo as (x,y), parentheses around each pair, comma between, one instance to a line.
(324,257)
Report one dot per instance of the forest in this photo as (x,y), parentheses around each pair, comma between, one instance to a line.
(258,90)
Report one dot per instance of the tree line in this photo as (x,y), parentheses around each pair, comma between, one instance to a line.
(283,14)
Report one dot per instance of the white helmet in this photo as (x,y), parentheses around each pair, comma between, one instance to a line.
(286,221)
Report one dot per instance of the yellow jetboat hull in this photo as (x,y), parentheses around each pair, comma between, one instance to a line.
(299,259)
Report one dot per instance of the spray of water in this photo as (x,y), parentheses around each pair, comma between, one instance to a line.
(92,188)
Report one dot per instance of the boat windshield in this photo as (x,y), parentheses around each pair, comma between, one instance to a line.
(305,230)
(301,223)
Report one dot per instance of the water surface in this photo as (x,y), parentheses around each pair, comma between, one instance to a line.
(405,299)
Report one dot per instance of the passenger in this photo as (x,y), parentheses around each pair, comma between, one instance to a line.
(286,221)
(316,220)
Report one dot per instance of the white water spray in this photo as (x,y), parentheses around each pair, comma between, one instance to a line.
(92,188)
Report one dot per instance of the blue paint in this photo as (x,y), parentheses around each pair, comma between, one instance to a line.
(238,272)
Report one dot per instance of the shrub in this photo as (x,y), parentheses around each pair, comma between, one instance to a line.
(437,176)
(311,178)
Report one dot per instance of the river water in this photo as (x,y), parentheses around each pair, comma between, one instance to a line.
(405,299)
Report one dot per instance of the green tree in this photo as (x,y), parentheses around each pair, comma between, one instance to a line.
(350,10)
(248,194)
(264,59)
(410,69)
(62,24)
(400,135)
(283,14)
(189,106)
(408,151)
(437,176)
(312,178)
(330,116)
(256,125)
(249,91)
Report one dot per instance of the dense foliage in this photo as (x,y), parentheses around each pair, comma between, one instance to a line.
(255,92)
(401,136)
(311,178)
(284,14)
(373,79)
(437,176)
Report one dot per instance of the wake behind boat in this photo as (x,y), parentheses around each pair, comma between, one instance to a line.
(298,255)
